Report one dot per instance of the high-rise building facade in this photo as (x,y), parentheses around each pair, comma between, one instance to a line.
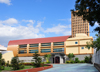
(78,25)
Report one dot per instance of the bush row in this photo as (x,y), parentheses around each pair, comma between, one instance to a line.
(86,60)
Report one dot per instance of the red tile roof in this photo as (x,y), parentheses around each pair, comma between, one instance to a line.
(38,40)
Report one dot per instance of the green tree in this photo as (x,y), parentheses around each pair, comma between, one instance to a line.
(70,56)
(89,10)
(94,44)
(47,57)
(15,63)
(2,62)
(37,59)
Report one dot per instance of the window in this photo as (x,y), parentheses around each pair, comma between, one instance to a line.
(82,48)
(34,45)
(33,51)
(58,43)
(45,50)
(23,46)
(45,44)
(58,50)
(76,42)
(22,51)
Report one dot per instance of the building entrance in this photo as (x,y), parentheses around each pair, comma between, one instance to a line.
(57,59)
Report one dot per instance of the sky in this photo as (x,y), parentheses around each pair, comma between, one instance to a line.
(27,19)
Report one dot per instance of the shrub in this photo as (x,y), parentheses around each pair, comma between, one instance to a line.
(2,62)
(42,64)
(21,66)
(7,63)
(16,63)
(48,62)
(71,55)
(87,59)
(10,65)
(72,61)
(82,61)
(77,60)
(27,63)
(2,67)
(68,61)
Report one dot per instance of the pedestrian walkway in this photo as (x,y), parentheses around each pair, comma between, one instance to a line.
(72,68)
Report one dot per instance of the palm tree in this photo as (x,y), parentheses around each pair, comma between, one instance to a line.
(47,57)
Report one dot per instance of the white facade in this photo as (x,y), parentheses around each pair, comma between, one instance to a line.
(2,48)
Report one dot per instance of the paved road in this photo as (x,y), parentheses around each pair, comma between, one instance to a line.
(72,68)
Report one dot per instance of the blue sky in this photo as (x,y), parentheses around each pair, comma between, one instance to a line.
(24,19)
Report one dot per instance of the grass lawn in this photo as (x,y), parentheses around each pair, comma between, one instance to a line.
(9,68)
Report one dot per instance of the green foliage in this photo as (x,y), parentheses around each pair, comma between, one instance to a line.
(7,63)
(37,59)
(71,55)
(77,60)
(68,61)
(87,59)
(89,10)
(82,61)
(48,62)
(2,62)
(72,61)
(42,64)
(47,57)
(0,55)
(21,66)
(2,67)
(16,64)
(94,44)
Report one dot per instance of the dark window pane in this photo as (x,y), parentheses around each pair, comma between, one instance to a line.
(34,45)
(58,50)
(45,50)
(45,44)
(23,46)
(22,51)
(58,43)
(33,51)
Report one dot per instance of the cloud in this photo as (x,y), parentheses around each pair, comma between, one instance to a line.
(30,21)
(8,2)
(9,21)
(59,29)
(39,23)
(9,32)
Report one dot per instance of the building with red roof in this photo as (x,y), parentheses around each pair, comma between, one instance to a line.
(58,47)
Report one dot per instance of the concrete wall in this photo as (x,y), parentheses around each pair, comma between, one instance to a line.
(96,57)
(29,59)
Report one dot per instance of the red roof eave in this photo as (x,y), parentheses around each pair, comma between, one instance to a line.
(38,40)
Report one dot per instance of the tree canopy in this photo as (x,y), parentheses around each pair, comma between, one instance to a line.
(94,44)
(89,10)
